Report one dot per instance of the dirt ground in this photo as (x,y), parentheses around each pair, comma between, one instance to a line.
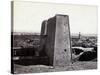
(42,68)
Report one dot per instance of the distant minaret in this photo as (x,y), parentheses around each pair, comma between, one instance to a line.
(79,35)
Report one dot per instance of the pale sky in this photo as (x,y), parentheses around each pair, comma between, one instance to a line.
(28,16)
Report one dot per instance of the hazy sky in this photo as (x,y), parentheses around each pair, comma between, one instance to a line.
(28,16)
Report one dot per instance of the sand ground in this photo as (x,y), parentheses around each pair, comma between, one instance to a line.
(43,68)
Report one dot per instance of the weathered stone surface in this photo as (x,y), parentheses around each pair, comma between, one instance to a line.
(62,49)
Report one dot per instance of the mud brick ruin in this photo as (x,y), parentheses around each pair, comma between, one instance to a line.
(55,40)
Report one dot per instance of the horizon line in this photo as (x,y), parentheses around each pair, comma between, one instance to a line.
(70,33)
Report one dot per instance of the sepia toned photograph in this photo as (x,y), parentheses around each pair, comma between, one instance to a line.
(53,37)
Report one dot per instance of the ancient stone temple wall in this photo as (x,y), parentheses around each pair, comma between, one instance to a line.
(57,40)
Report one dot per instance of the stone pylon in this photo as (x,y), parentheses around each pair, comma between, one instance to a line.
(55,40)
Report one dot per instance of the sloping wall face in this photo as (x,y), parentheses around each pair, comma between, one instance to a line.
(62,51)
(50,40)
